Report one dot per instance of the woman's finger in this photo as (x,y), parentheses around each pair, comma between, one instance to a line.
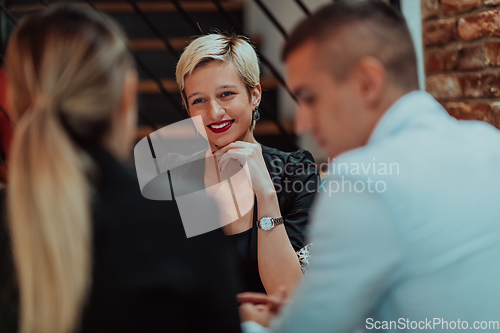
(233,145)
(220,156)
(261,307)
(223,164)
(231,155)
(252,297)
(226,148)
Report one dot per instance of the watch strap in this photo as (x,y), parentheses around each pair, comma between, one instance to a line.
(277,220)
(274,220)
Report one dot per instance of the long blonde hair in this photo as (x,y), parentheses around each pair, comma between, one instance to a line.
(66,69)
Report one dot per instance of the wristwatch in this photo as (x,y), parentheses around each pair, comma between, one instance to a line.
(267,223)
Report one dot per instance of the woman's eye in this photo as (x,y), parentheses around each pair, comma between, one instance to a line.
(226,94)
(196,101)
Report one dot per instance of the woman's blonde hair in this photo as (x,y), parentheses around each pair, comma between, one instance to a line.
(66,69)
(234,49)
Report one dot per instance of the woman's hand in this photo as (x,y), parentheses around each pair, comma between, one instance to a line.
(261,308)
(258,313)
(250,153)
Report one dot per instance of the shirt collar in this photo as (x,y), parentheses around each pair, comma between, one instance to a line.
(413,105)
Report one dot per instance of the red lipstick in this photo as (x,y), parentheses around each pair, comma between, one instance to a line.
(221,126)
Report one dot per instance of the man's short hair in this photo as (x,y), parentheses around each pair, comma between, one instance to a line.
(347,30)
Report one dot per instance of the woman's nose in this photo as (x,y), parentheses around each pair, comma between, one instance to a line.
(216,111)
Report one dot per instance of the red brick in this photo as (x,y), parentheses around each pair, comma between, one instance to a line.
(491,85)
(469,111)
(495,114)
(443,86)
(491,2)
(458,6)
(439,32)
(479,25)
(441,60)
(471,57)
(434,61)
(492,54)
(481,85)
(429,8)
(450,58)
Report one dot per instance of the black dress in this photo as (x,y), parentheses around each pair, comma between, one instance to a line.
(296,180)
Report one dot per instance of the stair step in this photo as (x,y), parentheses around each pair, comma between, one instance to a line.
(150,86)
(149,7)
(154,54)
(262,128)
(18,2)
(169,22)
(155,44)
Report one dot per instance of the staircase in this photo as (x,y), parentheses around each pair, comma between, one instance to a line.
(148,25)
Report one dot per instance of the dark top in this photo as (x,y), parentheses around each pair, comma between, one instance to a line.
(296,180)
(8,288)
(147,276)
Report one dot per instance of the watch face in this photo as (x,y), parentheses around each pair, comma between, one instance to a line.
(266,223)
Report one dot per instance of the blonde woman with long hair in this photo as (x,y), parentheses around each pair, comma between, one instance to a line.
(92,254)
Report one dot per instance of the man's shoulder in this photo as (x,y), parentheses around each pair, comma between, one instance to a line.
(424,156)
(444,140)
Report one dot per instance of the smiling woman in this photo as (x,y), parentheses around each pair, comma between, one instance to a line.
(219,80)
(216,93)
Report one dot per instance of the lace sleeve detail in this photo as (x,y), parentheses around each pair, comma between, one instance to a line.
(304,255)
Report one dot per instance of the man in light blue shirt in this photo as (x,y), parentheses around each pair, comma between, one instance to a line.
(406,229)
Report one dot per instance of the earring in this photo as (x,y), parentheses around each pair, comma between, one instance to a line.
(256,114)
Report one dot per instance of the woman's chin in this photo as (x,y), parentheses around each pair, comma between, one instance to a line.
(219,143)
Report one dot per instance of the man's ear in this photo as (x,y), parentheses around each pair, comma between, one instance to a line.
(371,79)
(256,94)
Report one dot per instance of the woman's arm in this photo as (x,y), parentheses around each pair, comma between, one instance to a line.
(277,260)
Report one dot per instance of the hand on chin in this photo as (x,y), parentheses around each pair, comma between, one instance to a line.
(221,143)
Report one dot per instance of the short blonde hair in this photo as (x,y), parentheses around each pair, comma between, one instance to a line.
(233,49)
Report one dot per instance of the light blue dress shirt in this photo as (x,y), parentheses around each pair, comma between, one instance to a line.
(418,250)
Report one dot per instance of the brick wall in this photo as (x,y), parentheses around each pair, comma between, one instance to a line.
(462,56)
